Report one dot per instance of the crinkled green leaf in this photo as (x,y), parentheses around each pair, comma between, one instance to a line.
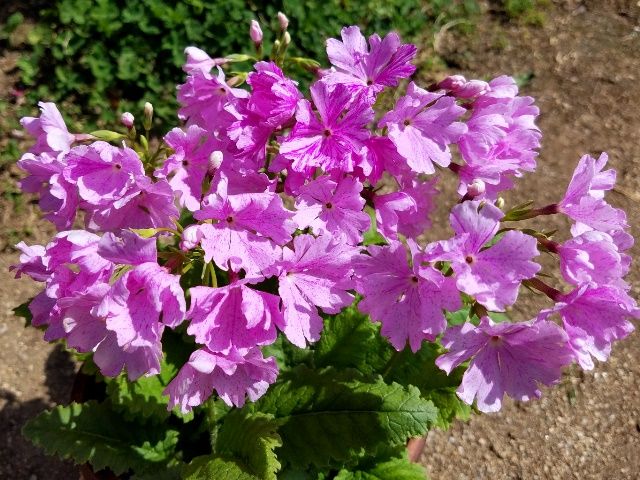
(251,437)
(23,311)
(351,340)
(93,432)
(212,467)
(419,369)
(329,417)
(395,469)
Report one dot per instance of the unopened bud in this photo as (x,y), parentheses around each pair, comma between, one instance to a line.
(463,88)
(500,203)
(127,120)
(452,82)
(215,160)
(283,21)
(148,116)
(255,32)
(286,39)
(476,188)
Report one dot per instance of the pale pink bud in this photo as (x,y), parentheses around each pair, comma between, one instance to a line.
(283,20)
(215,160)
(463,88)
(127,119)
(476,188)
(255,32)
(286,39)
(452,82)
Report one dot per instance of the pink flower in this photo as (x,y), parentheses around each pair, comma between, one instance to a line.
(234,376)
(189,164)
(144,205)
(273,95)
(102,172)
(315,274)
(137,308)
(409,302)
(332,208)
(31,262)
(369,68)
(406,211)
(501,142)
(249,229)
(593,257)
(584,200)
(492,275)
(203,98)
(460,87)
(511,358)
(127,248)
(422,126)
(594,317)
(199,61)
(233,317)
(49,130)
(335,139)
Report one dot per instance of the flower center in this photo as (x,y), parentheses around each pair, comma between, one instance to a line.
(468,259)
(414,279)
(329,205)
(326,133)
(185,163)
(117,166)
(229,219)
(407,122)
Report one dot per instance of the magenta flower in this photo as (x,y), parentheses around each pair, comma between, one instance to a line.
(250,133)
(49,130)
(593,257)
(369,68)
(31,262)
(102,172)
(249,229)
(144,205)
(584,199)
(274,96)
(492,275)
(335,138)
(460,87)
(233,317)
(127,248)
(234,376)
(422,126)
(380,156)
(137,308)
(594,317)
(189,164)
(315,274)
(332,208)
(406,211)
(506,358)
(501,142)
(203,98)
(409,302)
(199,61)
(58,197)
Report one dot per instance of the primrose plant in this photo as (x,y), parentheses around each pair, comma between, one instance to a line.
(259,294)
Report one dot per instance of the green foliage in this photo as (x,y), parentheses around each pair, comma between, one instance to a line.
(351,340)
(213,467)
(529,11)
(22,311)
(113,55)
(419,369)
(253,438)
(395,469)
(329,417)
(93,432)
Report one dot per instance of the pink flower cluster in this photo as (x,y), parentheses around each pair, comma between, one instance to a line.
(277,191)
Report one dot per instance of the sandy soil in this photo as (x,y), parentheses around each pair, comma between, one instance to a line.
(585,67)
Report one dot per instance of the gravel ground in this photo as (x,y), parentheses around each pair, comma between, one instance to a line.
(585,64)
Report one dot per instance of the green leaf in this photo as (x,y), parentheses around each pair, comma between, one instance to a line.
(330,417)
(107,135)
(211,467)
(396,469)
(23,311)
(372,237)
(419,369)
(458,317)
(351,340)
(93,432)
(251,437)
